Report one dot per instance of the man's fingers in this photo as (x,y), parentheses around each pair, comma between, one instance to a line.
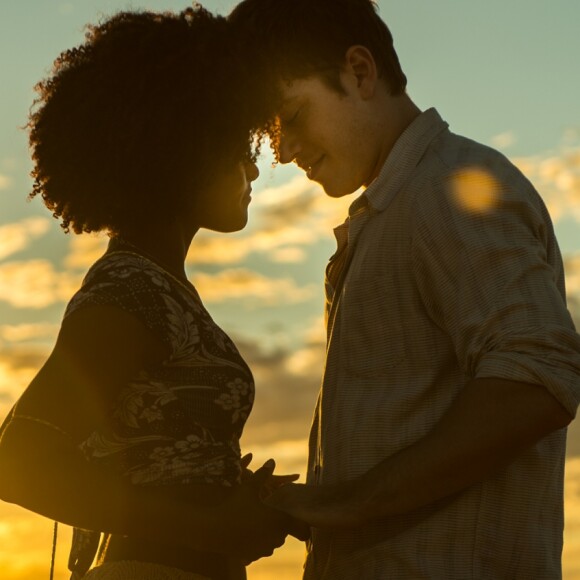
(246,460)
(282,479)
(263,474)
(279,499)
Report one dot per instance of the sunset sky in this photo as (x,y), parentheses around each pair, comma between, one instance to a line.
(503,72)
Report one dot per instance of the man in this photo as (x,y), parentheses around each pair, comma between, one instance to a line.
(453,367)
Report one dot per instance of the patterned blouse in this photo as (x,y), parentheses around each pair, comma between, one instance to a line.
(179,422)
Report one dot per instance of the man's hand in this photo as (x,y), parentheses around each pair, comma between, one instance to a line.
(328,506)
(296,528)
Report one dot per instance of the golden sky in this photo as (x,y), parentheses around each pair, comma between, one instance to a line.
(491,80)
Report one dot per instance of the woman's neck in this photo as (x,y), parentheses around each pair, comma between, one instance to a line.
(167,247)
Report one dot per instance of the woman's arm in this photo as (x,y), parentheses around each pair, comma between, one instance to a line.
(98,350)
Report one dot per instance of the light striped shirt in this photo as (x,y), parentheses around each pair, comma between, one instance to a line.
(452,273)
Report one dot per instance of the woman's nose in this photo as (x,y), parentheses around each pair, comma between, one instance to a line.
(252,171)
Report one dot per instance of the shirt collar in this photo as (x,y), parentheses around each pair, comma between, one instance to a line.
(401,161)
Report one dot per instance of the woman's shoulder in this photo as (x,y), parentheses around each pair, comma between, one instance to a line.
(122,267)
(124,274)
(134,284)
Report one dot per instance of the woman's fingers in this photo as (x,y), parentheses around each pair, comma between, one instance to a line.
(246,460)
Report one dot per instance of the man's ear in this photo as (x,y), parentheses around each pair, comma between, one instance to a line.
(360,62)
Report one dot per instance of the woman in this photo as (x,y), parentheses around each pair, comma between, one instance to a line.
(132,426)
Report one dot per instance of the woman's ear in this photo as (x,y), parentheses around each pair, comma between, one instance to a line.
(360,62)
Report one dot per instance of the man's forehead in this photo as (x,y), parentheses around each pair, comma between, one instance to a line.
(293,89)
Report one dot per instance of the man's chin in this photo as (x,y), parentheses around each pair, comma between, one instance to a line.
(334,190)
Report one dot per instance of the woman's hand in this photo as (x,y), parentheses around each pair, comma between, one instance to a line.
(269,485)
(251,529)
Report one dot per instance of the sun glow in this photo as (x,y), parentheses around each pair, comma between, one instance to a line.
(475,190)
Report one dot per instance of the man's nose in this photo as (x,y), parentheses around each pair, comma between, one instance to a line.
(288,148)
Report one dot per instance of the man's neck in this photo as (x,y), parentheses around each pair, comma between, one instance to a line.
(396,114)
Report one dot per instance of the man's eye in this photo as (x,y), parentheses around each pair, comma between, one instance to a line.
(292,118)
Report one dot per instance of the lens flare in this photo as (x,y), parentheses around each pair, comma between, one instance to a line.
(475,190)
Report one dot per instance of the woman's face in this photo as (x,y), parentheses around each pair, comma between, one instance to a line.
(223,207)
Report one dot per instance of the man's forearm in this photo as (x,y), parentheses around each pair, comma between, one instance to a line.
(489,425)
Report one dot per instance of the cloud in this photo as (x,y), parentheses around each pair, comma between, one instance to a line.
(503,140)
(210,248)
(85,250)
(571,554)
(26,540)
(557,178)
(285,220)
(287,384)
(27,332)
(288,255)
(251,287)
(18,366)
(35,284)
(17,236)
(290,202)
(572,269)
(304,205)
(5,181)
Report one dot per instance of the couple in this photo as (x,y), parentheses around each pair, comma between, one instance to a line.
(453,366)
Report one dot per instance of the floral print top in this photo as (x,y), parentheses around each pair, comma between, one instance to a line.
(179,422)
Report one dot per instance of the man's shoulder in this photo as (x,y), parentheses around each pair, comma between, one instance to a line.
(450,155)
(452,151)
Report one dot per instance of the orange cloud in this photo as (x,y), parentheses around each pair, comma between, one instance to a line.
(35,284)
(557,178)
(572,267)
(17,236)
(85,250)
(251,287)
(26,332)
(284,221)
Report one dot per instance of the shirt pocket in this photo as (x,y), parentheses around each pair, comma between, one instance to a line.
(371,328)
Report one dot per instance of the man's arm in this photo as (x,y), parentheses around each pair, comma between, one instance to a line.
(489,425)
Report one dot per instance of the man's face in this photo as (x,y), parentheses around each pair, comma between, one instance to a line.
(328,134)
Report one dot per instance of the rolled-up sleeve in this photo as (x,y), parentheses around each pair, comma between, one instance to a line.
(490,274)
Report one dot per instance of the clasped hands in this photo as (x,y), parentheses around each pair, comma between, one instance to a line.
(300,506)
(319,506)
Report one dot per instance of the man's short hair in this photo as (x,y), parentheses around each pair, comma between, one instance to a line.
(291,39)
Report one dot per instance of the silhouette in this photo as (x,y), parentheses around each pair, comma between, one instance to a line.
(130,431)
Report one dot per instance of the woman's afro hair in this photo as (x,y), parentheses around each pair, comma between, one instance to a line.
(140,117)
